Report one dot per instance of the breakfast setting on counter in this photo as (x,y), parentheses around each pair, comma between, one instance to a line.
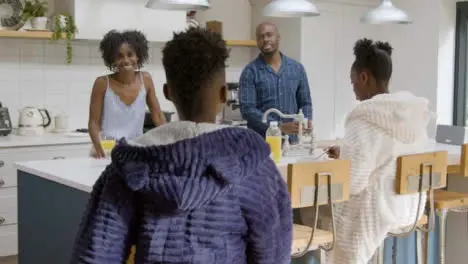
(247,131)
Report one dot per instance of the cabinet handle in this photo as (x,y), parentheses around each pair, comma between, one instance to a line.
(2,220)
(2,182)
(2,163)
(59,157)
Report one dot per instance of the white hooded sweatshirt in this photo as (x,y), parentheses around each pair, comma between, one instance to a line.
(377,131)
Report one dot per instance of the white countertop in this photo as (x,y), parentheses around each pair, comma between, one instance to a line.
(82,173)
(14,141)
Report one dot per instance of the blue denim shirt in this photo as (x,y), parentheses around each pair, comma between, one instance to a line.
(261,88)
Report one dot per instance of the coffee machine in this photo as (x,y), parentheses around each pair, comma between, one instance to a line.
(231,114)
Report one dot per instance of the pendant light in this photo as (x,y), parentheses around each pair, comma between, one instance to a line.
(290,8)
(188,5)
(386,13)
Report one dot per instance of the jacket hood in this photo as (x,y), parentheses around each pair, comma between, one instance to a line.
(193,169)
(402,115)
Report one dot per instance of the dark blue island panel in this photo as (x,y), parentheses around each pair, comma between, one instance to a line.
(49,215)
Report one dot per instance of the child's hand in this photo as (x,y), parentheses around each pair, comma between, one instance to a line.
(334,152)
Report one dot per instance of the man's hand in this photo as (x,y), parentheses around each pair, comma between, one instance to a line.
(290,128)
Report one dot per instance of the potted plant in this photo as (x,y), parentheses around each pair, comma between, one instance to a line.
(36,12)
(64,27)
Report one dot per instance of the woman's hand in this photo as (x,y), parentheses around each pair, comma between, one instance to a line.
(333,152)
(98,153)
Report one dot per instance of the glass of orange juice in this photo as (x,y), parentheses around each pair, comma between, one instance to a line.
(107,144)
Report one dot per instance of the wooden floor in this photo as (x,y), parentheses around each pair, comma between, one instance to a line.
(9,260)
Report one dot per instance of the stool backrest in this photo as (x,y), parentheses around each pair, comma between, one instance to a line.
(311,180)
(413,168)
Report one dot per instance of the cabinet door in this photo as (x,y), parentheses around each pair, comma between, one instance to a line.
(8,157)
(351,30)
(320,37)
(8,240)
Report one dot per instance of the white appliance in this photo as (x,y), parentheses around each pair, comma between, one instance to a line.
(452,135)
(32,121)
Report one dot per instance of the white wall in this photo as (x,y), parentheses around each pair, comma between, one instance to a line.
(33,72)
(424,53)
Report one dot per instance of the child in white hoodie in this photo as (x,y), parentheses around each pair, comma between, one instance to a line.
(380,128)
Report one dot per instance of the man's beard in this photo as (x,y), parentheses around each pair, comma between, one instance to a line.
(269,53)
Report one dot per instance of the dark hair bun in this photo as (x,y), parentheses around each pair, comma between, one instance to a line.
(385,46)
(363,48)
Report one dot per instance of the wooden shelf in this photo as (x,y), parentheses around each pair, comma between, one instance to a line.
(241,43)
(25,34)
(48,35)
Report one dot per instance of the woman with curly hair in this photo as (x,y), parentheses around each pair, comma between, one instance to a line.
(118,100)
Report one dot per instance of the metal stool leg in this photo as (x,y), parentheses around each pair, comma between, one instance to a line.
(442,228)
(421,258)
(394,250)
(380,254)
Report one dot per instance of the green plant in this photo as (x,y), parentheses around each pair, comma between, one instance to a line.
(68,31)
(32,9)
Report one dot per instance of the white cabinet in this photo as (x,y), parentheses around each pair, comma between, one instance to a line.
(320,38)
(8,185)
(94,18)
(327,55)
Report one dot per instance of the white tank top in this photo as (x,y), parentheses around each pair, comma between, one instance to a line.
(120,120)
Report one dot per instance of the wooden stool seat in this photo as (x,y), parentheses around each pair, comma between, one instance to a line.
(448,200)
(301,236)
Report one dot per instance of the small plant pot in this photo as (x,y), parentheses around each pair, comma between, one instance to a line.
(39,23)
(53,22)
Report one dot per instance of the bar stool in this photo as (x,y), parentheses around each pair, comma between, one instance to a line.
(418,173)
(447,201)
(313,184)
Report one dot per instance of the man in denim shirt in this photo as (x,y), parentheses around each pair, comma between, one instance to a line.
(273,80)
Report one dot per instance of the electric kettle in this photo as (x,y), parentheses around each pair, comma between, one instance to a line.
(32,121)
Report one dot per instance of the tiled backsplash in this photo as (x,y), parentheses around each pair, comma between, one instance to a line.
(34,73)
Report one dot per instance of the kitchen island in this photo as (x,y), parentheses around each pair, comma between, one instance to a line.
(53,194)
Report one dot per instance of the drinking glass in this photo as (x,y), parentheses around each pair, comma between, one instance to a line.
(107,143)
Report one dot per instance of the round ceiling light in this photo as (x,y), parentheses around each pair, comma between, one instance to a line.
(188,5)
(386,13)
(290,8)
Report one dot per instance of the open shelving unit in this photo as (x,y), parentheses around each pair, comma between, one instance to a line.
(48,35)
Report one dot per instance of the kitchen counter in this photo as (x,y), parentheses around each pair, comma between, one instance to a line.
(14,141)
(81,174)
(51,202)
